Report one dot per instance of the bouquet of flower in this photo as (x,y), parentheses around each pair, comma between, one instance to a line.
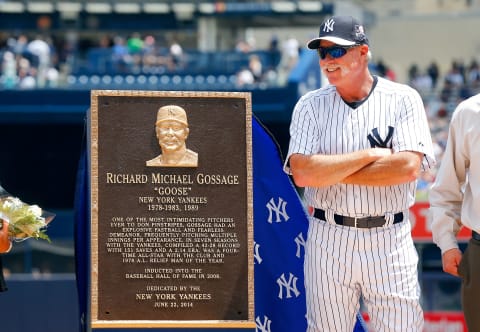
(24,220)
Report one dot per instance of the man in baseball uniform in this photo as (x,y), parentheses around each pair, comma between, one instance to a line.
(357,146)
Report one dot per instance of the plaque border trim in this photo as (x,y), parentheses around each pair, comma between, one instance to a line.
(92,131)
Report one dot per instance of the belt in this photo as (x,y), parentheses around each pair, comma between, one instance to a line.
(365,222)
(475,236)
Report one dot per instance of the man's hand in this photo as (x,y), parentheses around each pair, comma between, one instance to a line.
(5,243)
(450,261)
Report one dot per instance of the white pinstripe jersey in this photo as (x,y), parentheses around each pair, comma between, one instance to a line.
(322,123)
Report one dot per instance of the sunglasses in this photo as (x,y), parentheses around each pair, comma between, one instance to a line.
(334,51)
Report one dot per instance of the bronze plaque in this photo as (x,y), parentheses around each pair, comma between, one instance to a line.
(171,209)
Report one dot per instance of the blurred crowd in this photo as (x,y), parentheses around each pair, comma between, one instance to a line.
(282,58)
(135,53)
(29,63)
(42,61)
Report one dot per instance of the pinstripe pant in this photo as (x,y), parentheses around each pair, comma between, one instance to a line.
(343,263)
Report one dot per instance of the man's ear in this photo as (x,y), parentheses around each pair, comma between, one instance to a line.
(364,49)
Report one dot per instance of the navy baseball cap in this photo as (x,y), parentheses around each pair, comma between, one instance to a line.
(341,30)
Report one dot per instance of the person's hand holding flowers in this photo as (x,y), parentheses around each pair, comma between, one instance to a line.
(5,243)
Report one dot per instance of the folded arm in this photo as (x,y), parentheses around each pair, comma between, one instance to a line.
(376,166)
(401,167)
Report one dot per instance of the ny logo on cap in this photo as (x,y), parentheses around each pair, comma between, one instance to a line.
(171,112)
(328,26)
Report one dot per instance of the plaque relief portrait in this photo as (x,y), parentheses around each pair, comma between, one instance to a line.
(172,131)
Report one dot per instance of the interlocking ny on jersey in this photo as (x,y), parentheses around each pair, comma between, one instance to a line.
(377,141)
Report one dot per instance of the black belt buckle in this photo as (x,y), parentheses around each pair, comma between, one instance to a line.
(366,222)
(475,236)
